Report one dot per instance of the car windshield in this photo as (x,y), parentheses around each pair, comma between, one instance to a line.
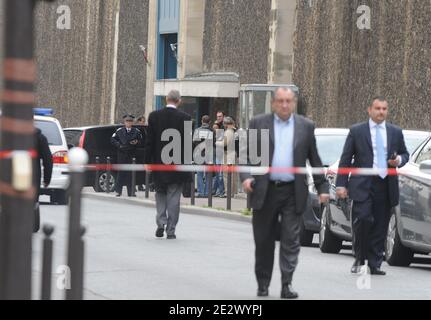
(51,131)
(413,142)
(330,148)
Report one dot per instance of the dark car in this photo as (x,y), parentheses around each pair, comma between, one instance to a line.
(330,143)
(96,140)
(409,231)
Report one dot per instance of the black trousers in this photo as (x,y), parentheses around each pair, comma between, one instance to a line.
(124,178)
(279,204)
(370,224)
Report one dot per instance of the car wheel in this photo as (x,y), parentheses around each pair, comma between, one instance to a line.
(328,242)
(396,253)
(59,197)
(104,184)
(305,236)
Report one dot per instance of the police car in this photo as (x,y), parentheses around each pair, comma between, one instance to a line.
(53,131)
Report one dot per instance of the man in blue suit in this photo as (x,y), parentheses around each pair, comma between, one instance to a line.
(379,145)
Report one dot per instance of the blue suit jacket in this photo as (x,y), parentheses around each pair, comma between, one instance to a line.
(358,153)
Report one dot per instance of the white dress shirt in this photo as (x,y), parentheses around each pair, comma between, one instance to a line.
(373,129)
(171,106)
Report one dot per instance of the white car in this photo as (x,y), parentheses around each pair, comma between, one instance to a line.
(52,130)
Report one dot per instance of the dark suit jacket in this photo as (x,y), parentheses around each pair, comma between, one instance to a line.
(158,122)
(304,149)
(44,157)
(359,149)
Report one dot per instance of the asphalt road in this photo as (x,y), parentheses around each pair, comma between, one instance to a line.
(211,259)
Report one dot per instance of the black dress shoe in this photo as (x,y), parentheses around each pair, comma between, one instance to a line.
(262,292)
(288,293)
(357,266)
(171,237)
(377,272)
(118,195)
(160,232)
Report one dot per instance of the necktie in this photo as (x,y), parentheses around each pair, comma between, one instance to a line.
(381,158)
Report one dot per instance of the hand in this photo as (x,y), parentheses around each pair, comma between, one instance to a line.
(134,142)
(247,185)
(324,198)
(342,193)
(395,163)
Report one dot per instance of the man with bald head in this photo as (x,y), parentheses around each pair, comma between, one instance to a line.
(168,185)
(281,194)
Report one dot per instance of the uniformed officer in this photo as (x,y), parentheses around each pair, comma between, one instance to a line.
(126,140)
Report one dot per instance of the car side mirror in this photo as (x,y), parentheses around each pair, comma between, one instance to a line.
(425,166)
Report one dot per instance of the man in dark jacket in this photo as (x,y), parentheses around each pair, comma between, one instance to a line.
(126,140)
(379,145)
(44,157)
(168,184)
(202,134)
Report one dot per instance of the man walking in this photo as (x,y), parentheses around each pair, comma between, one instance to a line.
(292,143)
(126,140)
(168,184)
(379,145)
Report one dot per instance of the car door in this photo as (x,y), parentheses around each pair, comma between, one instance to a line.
(423,209)
(415,207)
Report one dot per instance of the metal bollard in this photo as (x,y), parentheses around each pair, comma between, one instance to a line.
(210,187)
(108,175)
(77,158)
(192,190)
(248,201)
(147,184)
(80,265)
(47,263)
(229,190)
(96,179)
(134,179)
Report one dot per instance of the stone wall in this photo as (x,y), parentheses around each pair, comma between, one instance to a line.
(84,73)
(131,71)
(339,67)
(236,38)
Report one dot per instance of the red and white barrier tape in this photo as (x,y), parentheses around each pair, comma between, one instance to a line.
(8,154)
(249,169)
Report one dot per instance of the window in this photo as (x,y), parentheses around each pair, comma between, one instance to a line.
(167,46)
(425,153)
(51,131)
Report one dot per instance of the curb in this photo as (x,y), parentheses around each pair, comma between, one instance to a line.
(187,209)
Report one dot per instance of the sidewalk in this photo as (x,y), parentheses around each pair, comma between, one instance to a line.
(239,204)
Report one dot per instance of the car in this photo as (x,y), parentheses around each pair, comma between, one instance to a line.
(409,229)
(96,140)
(330,143)
(336,221)
(52,130)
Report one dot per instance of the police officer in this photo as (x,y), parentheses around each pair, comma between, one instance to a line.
(126,140)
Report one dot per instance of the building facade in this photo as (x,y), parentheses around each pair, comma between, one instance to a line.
(123,56)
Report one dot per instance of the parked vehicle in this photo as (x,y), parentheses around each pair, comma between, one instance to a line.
(96,140)
(410,225)
(51,128)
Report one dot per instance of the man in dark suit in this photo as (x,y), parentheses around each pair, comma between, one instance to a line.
(168,185)
(292,143)
(379,145)
(127,140)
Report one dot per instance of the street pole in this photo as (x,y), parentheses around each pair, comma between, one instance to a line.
(17,190)
(75,260)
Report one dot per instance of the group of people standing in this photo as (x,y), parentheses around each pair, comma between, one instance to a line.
(222,132)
